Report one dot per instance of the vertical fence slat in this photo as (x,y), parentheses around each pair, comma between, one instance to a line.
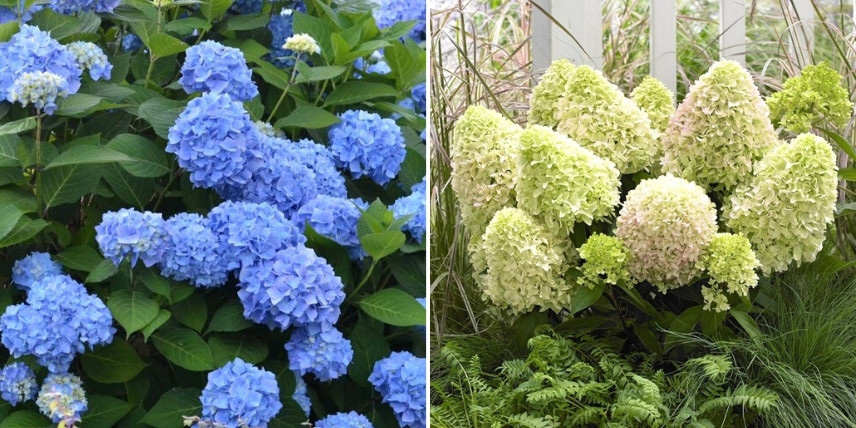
(732,29)
(582,18)
(664,57)
(802,33)
(541,27)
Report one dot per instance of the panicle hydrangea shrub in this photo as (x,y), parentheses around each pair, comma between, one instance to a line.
(17,383)
(524,264)
(91,57)
(240,395)
(561,183)
(484,150)
(785,208)
(193,252)
(400,380)
(719,129)
(34,268)
(319,349)
(212,67)
(62,398)
(39,88)
(333,218)
(666,224)
(595,114)
(545,97)
(344,420)
(412,205)
(365,144)
(731,264)
(33,50)
(605,259)
(656,101)
(810,99)
(130,233)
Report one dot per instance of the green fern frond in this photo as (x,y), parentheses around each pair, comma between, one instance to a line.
(588,415)
(525,420)
(756,398)
(714,367)
(635,409)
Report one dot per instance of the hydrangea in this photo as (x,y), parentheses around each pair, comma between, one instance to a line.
(719,130)
(91,57)
(192,252)
(484,149)
(390,12)
(296,287)
(283,183)
(212,67)
(216,141)
(812,98)
(319,349)
(240,395)
(656,101)
(377,66)
(281,27)
(71,7)
(33,50)
(731,264)
(8,14)
(302,43)
(130,233)
(249,232)
(418,95)
(39,88)
(606,260)
(34,268)
(666,224)
(785,208)
(543,107)
(594,113)
(17,383)
(344,420)
(62,398)
(320,160)
(366,144)
(524,264)
(400,380)
(57,321)
(561,183)
(246,7)
(267,130)
(413,205)
(333,218)
(300,395)
(131,43)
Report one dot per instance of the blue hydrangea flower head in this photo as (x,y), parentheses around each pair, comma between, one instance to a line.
(281,27)
(400,380)
(296,287)
(319,349)
(412,205)
(193,252)
(34,268)
(130,233)
(250,232)
(17,383)
(286,185)
(245,7)
(333,218)
(215,140)
(131,43)
(62,398)
(389,12)
(301,396)
(91,57)
(314,156)
(212,67)
(71,7)
(418,95)
(33,50)
(39,88)
(344,420)
(366,144)
(240,395)
(375,64)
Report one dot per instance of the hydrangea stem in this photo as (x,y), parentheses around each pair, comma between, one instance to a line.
(366,277)
(38,162)
(284,91)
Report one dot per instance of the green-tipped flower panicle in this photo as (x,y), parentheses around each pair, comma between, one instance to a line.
(483,165)
(811,99)
(597,115)
(524,263)
(666,224)
(606,260)
(730,263)
(561,183)
(786,207)
(546,95)
(656,100)
(720,129)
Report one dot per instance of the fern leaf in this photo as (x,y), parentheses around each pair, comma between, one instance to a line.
(525,420)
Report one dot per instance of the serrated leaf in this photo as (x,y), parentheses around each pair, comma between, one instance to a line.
(247,22)
(25,419)
(9,216)
(8,154)
(25,229)
(585,297)
(307,117)
(227,347)
(161,113)
(161,319)
(104,270)
(76,105)
(369,346)
(156,283)
(353,92)
(65,184)
(7,30)
(168,412)
(18,126)
(214,9)
(114,363)
(132,190)
(104,411)
(184,347)
(80,257)
(164,45)
(147,158)
(394,307)
(229,318)
(315,74)
(191,312)
(133,310)
(83,154)
(382,244)
(187,25)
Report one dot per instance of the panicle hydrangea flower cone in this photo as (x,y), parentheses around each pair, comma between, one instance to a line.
(412,205)
(130,233)
(34,268)
(62,398)
(296,287)
(333,218)
(400,380)
(344,420)
(561,183)
(594,113)
(666,223)
(606,260)
(39,88)
(300,396)
(719,130)
(785,208)
(240,395)
(484,150)
(302,43)
(367,145)
(811,98)
(91,57)
(216,141)
(319,349)
(524,264)
(17,383)
(390,12)
(212,67)
(192,252)
(545,97)
(731,264)
(656,101)
(33,50)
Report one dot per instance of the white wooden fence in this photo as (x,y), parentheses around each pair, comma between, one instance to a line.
(583,19)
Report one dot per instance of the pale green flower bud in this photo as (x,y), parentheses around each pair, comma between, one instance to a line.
(731,264)
(546,95)
(810,99)
(303,43)
(606,260)
(656,101)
